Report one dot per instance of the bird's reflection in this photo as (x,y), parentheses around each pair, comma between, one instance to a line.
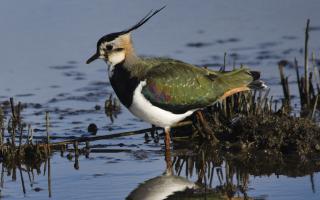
(167,186)
(160,187)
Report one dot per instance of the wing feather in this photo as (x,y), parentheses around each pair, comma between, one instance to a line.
(179,87)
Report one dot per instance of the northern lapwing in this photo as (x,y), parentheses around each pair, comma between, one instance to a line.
(164,91)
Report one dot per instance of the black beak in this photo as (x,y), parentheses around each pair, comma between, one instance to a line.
(93,58)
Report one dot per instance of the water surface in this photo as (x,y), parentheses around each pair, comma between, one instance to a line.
(44,46)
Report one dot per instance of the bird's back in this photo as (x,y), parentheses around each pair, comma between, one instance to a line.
(178,87)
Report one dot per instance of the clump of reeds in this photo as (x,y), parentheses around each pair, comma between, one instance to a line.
(21,145)
(16,148)
(112,107)
(308,83)
(251,121)
(222,115)
(17,152)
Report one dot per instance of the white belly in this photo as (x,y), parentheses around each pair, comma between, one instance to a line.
(143,109)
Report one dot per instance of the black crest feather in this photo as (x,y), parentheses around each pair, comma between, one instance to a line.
(143,20)
(113,36)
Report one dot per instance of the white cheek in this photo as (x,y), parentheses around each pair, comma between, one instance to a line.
(116,58)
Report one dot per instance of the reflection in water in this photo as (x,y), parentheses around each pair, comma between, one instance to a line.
(233,170)
(27,168)
(172,187)
(160,188)
(112,108)
(197,171)
(220,174)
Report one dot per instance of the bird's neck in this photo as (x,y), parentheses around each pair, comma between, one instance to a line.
(131,58)
(123,83)
(135,65)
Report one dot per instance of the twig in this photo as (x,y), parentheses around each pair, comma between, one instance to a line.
(306,83)
(2,176)
(299,81)
(1,126)
(13,135)
(20,125)
(223,68)
(284,83)
(47,131)
(22,180)
(101,137)
(49,178)
(315,107)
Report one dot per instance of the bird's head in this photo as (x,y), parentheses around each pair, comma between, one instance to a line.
(114,47)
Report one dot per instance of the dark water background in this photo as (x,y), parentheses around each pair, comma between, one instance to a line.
(44,46)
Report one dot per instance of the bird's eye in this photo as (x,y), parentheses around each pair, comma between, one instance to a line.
(109,47)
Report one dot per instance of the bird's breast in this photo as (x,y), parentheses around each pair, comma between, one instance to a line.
(123,84)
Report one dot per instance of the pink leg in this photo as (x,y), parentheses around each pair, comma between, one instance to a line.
(168,151)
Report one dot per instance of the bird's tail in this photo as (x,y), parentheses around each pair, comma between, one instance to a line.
(257,83)
(240,80)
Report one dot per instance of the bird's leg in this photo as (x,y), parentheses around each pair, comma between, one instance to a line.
(167,151)
(206,127)
(154,134)
(153,130)
(167,138)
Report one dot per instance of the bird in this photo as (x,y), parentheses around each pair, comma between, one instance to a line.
(164,91)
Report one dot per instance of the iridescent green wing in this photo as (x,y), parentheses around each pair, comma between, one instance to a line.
(179,87)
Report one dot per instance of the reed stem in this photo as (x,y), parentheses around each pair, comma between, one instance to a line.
(306,82)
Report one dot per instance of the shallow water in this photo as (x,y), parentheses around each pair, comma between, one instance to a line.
(44,46)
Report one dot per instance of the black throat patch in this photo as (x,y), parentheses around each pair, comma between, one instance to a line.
(123,84)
